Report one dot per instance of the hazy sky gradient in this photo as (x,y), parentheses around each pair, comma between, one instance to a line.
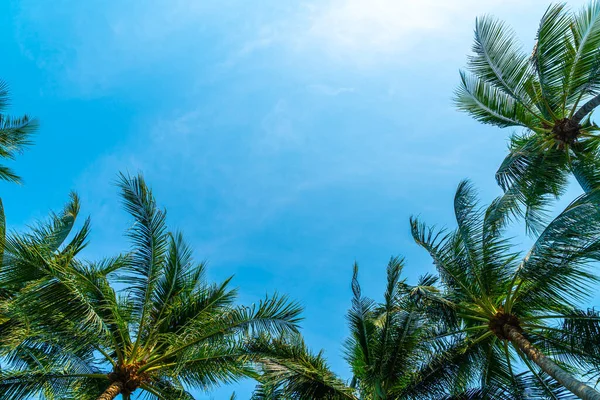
(287,139)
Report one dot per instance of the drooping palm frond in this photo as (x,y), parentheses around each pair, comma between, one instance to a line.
(556,272)
(451,367)
(539,385)
(535,175)
(268,392)
(37,368)
(291,371)
(573,340)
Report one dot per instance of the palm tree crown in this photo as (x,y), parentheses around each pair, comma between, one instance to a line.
(388,349)
(549,93)
(511,311)
(167,330)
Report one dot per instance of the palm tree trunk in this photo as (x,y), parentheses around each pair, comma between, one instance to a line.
(112,391)
(576,387)
(586,109)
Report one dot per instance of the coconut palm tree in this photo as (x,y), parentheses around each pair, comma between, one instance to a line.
(147,321)
(548,93)
(511,311)
(394,352)
(397,349)
(388,348)
(14,135)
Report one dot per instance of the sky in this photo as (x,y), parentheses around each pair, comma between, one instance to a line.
(286,139)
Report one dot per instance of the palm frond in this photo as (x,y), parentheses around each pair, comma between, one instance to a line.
(551,55)
(555,270)
(15,136)
(541,386)
(192,308)
(451,367)
(535,174)
(272,391)
(499,60)
(573,341)
(360,320)
(586,169)
(2,233)
(150,245)
(274,315)
(291,371)
(449,258)
(583,58)
(491,105)
(469,219)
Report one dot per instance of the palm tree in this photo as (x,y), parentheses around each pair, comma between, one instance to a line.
(147,321)
(388,350)
(397,349)
(392,350)
(502,305)
(14,135)
(549,94)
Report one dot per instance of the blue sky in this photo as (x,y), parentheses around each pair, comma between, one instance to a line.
(287,139)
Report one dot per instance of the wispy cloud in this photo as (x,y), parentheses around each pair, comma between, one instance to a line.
(328,90)
(368,32)
(278,128)
(96,51)
(122,40)
(265,37)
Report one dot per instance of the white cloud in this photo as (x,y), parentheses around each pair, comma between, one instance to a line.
(99,51)
(278,128)
(266,36)
(365,31)
(328,90)
(376,25)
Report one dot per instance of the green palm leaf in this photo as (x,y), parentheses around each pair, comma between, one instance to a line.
(15,135)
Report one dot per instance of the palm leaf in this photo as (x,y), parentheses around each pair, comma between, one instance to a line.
(555,269)
(550,57)
(583,62)
(290,370)
(499,60)
(150,243)
(489,104)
